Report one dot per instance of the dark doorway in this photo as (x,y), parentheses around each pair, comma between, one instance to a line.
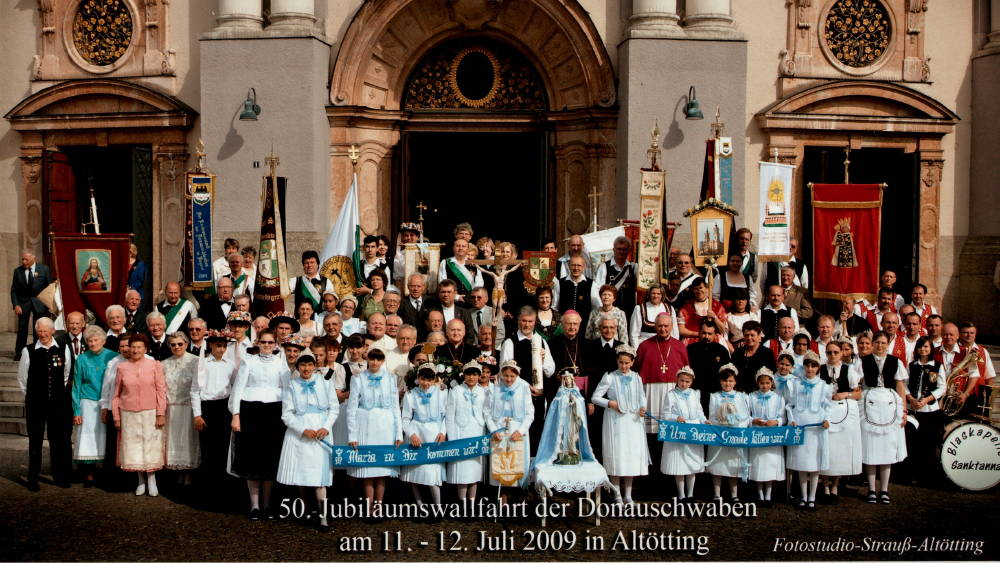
(900,201)
(498,182)
(122,179)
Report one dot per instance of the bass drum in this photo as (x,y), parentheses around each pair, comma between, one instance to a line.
(970,455)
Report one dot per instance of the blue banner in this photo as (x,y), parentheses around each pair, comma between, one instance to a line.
(201,188)
(732,436)
(405,454)
(725,161)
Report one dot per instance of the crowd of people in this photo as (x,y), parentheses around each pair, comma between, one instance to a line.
(202,387)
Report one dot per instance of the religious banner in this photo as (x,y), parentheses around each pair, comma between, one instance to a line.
(422,258)
(731,436)
(341,258)
(775,211)
(600,245)
(711,223)
(429,452)
(92,270)
(717,175)
(271,284)
(847,227)
(651,193)
(200,190)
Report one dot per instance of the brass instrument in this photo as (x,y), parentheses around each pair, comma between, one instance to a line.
(957,380)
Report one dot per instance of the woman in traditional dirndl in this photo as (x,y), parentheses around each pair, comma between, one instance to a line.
(258,431)
(89,434)
(373,419)
(423,417)
(309,408)
(621,395)
(767,408)
(465,417)
(180,370)
(845,421)
(139,407)
(883,416)
(684,461)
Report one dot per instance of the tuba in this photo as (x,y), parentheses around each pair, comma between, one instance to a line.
(957,379)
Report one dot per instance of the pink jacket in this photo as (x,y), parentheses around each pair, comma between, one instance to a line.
(140,386)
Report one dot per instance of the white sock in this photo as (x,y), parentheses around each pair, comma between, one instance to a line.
(690,484)
(416,494)
(472,494)
(151,484)
(717,486)
(436,494)
(767,490)
(804,485)
(679,480)
(732,488)
(813,485)
(628,488)
(870,474)
(760,490)
(884,471)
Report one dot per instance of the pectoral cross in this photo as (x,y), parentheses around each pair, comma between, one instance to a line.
(663,369)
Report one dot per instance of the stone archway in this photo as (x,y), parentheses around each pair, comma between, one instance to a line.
(387,38)
(103,112)
(865,114)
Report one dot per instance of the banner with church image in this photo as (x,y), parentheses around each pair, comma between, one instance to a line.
(847,228)
(775,211)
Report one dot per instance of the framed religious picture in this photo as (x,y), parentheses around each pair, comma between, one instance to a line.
(93,270)
(711,223)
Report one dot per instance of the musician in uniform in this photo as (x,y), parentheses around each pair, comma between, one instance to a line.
(981,374)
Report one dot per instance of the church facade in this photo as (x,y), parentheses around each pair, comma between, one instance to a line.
(503,113)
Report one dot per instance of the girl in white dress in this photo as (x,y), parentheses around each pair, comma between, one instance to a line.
(727,408)
(465,418)
(767,408)
(373,418)
(883,415)
(845,422)
(510,409)
(809,404)
(785,376)
(308,408)
(423,422)
(683,461)
(621,394)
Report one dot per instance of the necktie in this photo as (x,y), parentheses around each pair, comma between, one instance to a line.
(128,317)
(28,275)
(416,304)
(76,345)
(479,319)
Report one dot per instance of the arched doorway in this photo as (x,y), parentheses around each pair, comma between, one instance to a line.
(126,140)
(894,134)
(573,128)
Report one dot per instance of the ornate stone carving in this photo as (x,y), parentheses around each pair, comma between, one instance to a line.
(481,75)
(102,31)
(857,32)
(30,168)
(473,14)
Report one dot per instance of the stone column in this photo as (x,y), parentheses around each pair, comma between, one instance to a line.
(292,15)
(931,165)
(654,18)
(169,164)
(709,16)
(993,39)
(240,14)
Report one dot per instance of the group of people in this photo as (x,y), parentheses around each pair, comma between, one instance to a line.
(201,385)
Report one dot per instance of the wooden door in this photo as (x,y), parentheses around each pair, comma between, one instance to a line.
(59,213)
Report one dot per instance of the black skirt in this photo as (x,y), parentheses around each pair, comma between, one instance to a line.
(257,446)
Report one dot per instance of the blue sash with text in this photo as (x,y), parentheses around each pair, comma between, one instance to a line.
(732,437)
(405,454)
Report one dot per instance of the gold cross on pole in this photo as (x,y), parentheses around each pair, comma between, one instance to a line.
(718,126)
(353,153)
(272,161)
(420,218)
(653,152)
(593,196)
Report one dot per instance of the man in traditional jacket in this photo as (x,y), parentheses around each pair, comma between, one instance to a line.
(619,273)
(175,310)
(466,276)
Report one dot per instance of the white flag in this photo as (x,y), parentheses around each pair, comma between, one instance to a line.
(341,257)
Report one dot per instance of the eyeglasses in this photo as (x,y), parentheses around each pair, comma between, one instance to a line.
(176,344)
(271,342)
(832,352)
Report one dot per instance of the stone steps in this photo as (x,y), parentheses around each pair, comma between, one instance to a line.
(14,426)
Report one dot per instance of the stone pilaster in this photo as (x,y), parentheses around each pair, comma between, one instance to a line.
(653,19)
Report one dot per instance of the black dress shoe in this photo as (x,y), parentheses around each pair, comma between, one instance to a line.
(269,514)
(33,486)
(88,484)
(254,514)
(63,484)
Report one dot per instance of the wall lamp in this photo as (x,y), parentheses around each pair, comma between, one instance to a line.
(250,108)
(691,110)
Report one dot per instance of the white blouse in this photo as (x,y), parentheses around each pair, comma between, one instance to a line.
(260,379)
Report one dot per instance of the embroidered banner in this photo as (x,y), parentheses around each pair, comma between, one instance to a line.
(92,271)
(847,227)
(381,456)
(731,436)
(650,227)
(201,188)
(775,211)
(271,285)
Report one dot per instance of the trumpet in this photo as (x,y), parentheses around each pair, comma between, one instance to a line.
(957,379)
